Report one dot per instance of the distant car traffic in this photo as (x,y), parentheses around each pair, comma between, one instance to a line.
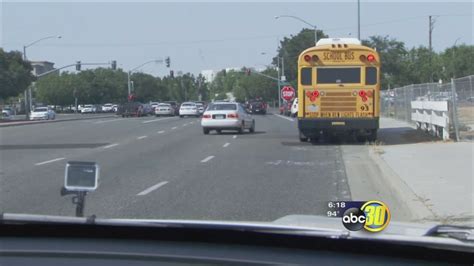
(188,109)
(164,109)
(285,108)
(257,107)
(200,107)
(226,116)
(175,106)
(108,108)
(294,108)
(136,109)
(42,113)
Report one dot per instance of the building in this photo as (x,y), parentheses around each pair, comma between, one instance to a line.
(209,74)
(40,67)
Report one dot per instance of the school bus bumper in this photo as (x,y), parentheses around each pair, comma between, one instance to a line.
(337,124)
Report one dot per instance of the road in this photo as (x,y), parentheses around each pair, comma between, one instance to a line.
(166,168)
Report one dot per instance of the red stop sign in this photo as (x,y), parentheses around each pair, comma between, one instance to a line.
(287,93)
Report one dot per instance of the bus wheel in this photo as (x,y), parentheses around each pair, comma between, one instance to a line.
(373,135)
(303,138)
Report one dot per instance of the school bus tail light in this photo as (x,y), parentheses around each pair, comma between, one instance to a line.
(362,58)
(371,58)
(315,58)
(307,58)
(369,94)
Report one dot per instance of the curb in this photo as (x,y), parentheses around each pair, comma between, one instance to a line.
(405,195)
(55,121)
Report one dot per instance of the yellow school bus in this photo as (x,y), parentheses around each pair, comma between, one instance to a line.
(338,90)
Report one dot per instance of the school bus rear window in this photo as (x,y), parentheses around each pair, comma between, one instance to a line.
(306,78)
(370,75)
(331,75)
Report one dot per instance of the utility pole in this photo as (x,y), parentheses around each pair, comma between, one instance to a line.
(358,19)
(431,27)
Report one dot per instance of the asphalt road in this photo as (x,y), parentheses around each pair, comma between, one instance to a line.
(166,168)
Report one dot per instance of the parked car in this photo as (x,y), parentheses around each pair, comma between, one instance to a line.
(200,107)
(7,113)
(42,113)
(164,109)
(87,109)
(294,108)
(226,116)
(175,106)
(257,107)
(188,109)
(107,108)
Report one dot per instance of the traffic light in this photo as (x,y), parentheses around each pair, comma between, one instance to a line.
(78,65)
(114,65)
(168,61)
(172,73)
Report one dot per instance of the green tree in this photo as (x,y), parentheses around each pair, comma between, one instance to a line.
(15,74)
(291,48)
(393,55)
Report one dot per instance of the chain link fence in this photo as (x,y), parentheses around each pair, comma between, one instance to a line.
(458,93)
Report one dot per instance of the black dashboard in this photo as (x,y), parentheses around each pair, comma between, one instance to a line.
(88,244)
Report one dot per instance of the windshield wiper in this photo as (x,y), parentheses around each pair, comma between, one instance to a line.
(463,233)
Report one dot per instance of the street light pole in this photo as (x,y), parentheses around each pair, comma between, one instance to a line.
(305,22)
(129,73)
(452,60)
(28,94)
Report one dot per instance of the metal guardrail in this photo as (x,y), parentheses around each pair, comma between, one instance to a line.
(432,117)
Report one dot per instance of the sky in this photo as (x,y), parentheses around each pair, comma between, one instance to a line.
(210,35)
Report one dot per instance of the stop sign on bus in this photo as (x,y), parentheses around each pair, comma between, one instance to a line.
(287,93)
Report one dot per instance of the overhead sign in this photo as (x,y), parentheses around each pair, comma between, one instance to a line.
(287,93)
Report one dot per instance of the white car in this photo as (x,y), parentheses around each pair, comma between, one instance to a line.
(294,108)
(188,109)
(164,109)
(200,107)
(108,107)
(42,113)
(226,116)
(88,108)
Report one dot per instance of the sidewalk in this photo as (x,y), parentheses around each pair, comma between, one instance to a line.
(438,174)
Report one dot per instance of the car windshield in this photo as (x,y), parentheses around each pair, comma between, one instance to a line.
(283,112)
(216,107)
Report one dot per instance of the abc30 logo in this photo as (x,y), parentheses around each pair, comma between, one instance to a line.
(373,216)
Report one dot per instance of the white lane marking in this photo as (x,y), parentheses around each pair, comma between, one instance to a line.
(284,117)
(191,122)
(150,189)
(208,158)
(225,145)
(161,132)
(111,145)
(173,128)
(234,136)
(154,120)
(50,161)
(185,124)
(142,137)
(106,121)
